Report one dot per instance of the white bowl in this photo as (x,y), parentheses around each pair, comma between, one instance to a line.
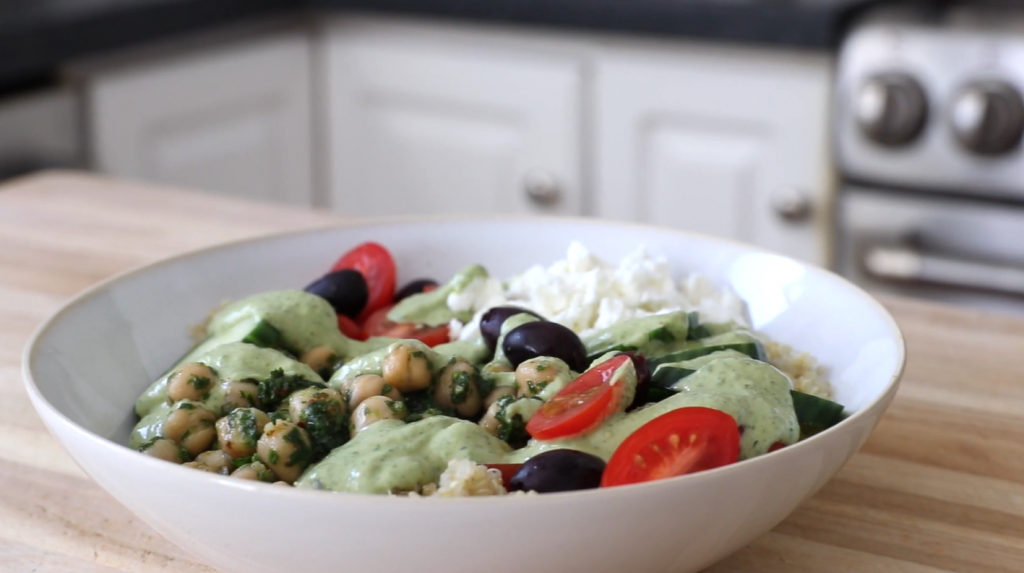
(87,364)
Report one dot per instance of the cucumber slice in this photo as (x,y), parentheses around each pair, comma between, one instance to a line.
(738,341)
(665,375)
(816,414)
(651,335)
(264,335)
(699,330)
(657,394)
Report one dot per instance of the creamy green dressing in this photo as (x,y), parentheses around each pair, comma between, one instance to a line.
(472,351)
(651,335)
(391,456)
(701,361)
(756,394)
(431,308)
(232,361)
(151,425)
(304,320)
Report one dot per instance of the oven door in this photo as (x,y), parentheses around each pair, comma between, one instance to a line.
(953,250)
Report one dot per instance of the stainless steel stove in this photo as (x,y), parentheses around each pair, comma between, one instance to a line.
(929,123)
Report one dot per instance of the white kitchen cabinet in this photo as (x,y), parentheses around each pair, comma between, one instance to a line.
(432,120)
(234,119)
(713,140)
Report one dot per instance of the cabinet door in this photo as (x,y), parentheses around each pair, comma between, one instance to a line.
(428,122)
(232,120)
(717,141)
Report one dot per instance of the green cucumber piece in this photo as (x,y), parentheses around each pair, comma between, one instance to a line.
(264,335)
(701,330)
(651,335)
(697,330)
(814,413)
(665,375)
(657,394)
(738,341)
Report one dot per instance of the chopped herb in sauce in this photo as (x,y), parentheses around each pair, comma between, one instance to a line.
(302,453)
(279,386)
(460,389)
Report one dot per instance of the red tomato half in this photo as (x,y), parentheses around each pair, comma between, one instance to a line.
(350,329)
(582,405)
(680,442)
(379,325)
(378,268)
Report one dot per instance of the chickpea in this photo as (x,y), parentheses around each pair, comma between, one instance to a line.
(407,368)
(367,385)
(191,425)
(499,393)
(322,413)
(192,381)
(239,394)
(373,410)
(497,367)
(214,461)
(533,375)
(321,359)
(239,431)
(255,471)
(458,388)
(300,401)
(507,417)
(167,450)
(489,422)
(285,448)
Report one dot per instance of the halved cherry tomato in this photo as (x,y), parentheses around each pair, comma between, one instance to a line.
(350,329)
(582,405)
(378,268)
(508,471)
(680,442)
(379,325)
(776,447)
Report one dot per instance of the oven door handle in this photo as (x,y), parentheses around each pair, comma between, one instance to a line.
(903,264)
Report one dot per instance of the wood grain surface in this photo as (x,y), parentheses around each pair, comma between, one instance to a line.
(938,487)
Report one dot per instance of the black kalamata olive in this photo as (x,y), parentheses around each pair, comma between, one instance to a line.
(346,290)
(535,339)
(491,321)
(415,287)
(558,470)
(643,379)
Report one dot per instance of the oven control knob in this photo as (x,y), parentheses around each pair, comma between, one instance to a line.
(988,117)
(891,109)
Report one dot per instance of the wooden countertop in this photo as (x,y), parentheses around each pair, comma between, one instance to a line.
(938,487)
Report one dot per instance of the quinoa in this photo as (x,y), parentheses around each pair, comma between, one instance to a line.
(803,369)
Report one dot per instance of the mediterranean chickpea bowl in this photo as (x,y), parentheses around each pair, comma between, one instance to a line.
(457,394)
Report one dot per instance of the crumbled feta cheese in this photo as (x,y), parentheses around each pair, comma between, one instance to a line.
(585,293)
(464,478)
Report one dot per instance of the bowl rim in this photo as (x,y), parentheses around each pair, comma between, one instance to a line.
(41,403)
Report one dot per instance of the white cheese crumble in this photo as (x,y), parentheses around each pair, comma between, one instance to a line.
(586,294)
(464,478)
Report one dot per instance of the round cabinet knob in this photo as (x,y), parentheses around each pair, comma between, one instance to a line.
(793,206)
(891,109)
(541,187)
(988,117)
